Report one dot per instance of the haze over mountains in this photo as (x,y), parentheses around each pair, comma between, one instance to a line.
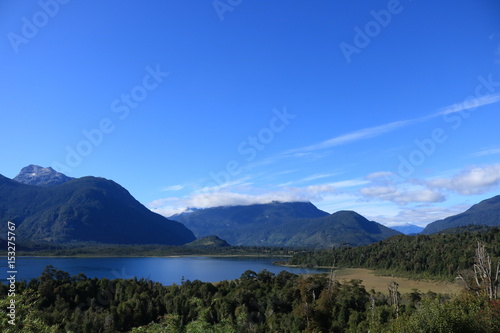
(408,229)
(48,206)
(284,224)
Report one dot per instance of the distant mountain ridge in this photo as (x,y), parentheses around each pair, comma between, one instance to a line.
(37,175)
(239,224)
(486,212)
(284,224)
(243,214)
(337,229)
(87,209)
(408,229)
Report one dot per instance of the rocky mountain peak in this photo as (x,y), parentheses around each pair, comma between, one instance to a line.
(40,176)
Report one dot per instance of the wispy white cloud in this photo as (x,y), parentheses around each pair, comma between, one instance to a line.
(316,177)
(173,188)
(336,185)
(421,215)
(487,151)
(345,200)
(285,172)
(169,207)
(373,196)
(239,196)
(362,134)
(474,180)
(286,184)
(162,202)
(380,175)
(228,198)
(386,212)
(213,187)
(371,132)
(383,186)
(401,196)
(470,181)
(239,192)
(469,104)
(349,183)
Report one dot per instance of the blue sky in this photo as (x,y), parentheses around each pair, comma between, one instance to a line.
(388,108)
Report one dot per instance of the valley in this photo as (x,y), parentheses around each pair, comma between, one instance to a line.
(262,265)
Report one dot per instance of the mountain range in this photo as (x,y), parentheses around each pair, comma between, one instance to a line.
(49,206)
(408,229)
(486,212)
(82,210)
(284,224)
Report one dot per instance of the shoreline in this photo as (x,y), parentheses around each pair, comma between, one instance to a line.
(157,256)
(371,279)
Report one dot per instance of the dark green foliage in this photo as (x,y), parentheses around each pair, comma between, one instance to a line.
(343,227)
(146,250)
(297,224)
(467,228)
(432,256)
(465,314)
(84,209)
(487,212)
(208,241)
(256,302)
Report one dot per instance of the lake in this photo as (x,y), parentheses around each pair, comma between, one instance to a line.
(167,270)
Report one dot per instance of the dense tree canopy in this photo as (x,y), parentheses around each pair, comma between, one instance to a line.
(429,256)
(268,302)
(256,302)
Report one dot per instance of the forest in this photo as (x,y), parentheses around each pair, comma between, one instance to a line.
(85,249)
(437,256)
(284,302)
(256,302)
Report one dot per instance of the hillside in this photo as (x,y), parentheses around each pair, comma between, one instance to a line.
(487,212)
(340,228)
(84,209)
(440,255)
(208,241)
(284,224)
(242,225)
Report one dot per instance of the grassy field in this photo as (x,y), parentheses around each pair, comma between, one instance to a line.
(380,283)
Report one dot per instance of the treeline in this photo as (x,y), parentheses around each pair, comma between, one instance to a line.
(257,302)
(437,256)
(112,250)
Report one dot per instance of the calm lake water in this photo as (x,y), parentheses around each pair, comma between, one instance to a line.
(165,270)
